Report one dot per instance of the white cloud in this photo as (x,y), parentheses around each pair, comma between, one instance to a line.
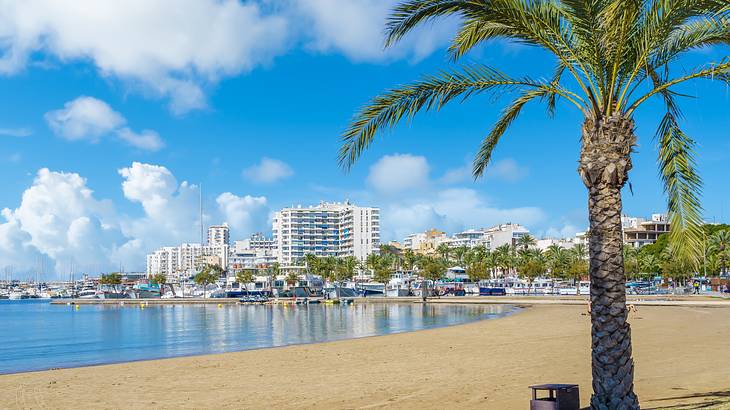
(90,119)
(430,205)
(85,118)
(172,48)
(355,28)
(245,215)
(60,218)
(147,139)
(268,171)
(451,210)
(506,170)
(16,132)
(399,172)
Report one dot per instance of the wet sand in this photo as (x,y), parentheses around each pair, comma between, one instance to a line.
(681,355)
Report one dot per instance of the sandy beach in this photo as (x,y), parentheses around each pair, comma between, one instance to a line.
(680,352)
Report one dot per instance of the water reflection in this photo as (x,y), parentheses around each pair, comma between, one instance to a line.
(41,336)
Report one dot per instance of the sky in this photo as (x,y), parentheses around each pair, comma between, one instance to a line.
(113,116)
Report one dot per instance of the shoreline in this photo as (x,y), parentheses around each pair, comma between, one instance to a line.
(484,364)
(514,310)
(530,300)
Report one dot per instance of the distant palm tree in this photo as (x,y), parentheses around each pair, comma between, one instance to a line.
(444,250)
(526,241)
(617,55)
(719,244)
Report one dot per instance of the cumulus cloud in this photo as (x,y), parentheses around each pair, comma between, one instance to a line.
(268,171)
(60,218)
(355,28)
(507,170)
(85,118)
(171,48)
(176,49)
(147,140)
(245,215)
(16,132)
(399,172)
(430,204)
(90,119)
(451,210)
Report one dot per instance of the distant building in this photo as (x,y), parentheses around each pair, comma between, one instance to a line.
(219,235)
(177,262)
(425,243)
(328,229)
(639,231)
(258,251)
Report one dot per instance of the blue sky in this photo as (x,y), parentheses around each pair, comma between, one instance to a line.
(254,112)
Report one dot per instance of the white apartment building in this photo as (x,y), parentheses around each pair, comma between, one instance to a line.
(505,234)
(257,241)
(255,252)
(328,229)
(219,235)
(176,262)
(639,231)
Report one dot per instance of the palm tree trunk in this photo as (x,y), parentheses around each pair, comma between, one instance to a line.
(604,165)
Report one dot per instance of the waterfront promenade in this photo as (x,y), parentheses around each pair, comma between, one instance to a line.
(679,351)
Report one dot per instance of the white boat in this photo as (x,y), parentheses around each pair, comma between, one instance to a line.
(584,287)
(87,294)
(17,295)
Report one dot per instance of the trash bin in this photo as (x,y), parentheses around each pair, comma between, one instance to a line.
(559,397)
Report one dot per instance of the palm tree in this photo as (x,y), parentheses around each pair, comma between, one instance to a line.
(719,246)
(617,55)
(504,258)
(526,241)
(558,260)
(444,250)
(460,253)
(207,276)
(409,259)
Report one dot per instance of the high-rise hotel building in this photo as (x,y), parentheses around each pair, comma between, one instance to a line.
(328,229)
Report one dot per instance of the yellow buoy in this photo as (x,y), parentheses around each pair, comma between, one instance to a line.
(78,307)
(220,306)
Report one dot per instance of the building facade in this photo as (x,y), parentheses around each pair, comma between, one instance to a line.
(219,235)
(639,231)
(176,262)
(328,229)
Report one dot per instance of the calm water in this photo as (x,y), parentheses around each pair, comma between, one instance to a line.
(35,335)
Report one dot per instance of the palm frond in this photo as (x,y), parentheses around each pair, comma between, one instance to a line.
(720,71)
(481,161)
(408,15)
(683,188)
(431,92)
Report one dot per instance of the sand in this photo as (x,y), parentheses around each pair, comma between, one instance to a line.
(681,356)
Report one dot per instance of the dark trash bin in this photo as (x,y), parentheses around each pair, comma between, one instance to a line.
(559,397)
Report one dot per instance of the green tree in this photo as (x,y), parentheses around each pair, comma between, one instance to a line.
(111,279)
(274,271)
(409,260)
(292,278)
(433,270)
(526,241)
(631,261)
(444,250)
(460,253)
(477,271)
(244,277)
(611,57)
(206,277)
(719,245)
(344,271)
(577,269)
(161,279)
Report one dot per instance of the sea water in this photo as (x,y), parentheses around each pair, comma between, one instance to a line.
(35,335)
